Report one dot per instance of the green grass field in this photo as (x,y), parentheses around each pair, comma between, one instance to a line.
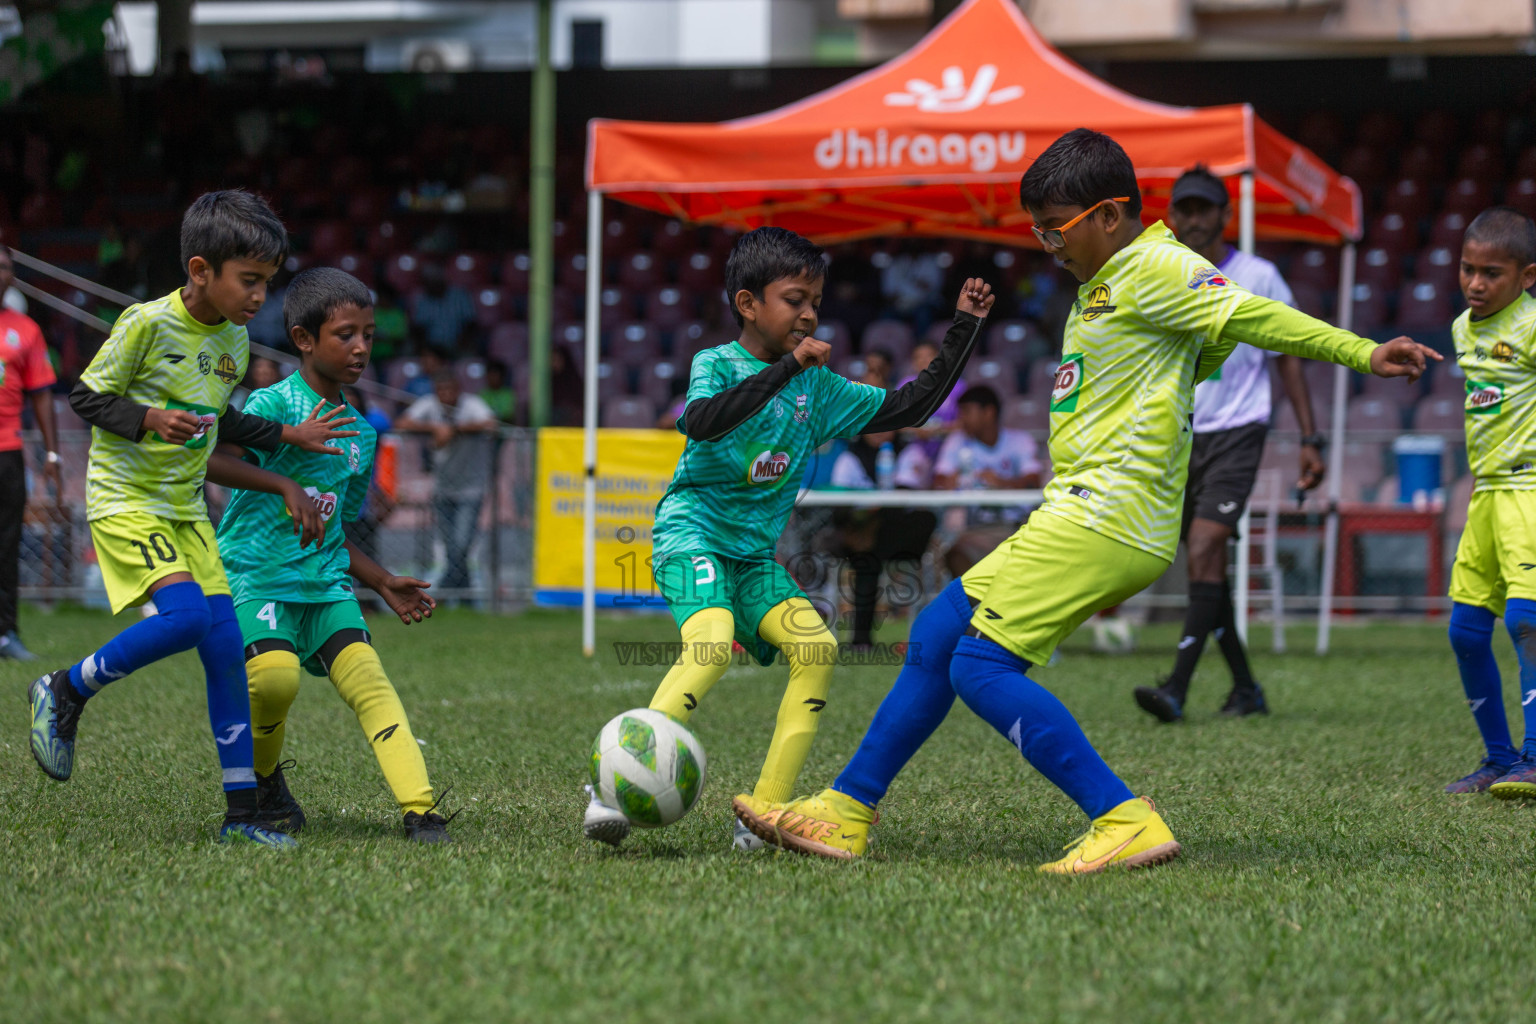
(1325,876)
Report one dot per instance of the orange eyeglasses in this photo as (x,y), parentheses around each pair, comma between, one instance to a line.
(1055,238)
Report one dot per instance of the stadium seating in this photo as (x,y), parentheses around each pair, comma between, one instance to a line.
(997,374)
(893,336)
(1027,413)
(630,411)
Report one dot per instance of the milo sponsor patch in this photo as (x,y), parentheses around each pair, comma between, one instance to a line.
(1069,381)
(767,467)
(1483,398)
(207,416)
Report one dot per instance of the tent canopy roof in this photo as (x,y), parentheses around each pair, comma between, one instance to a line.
(934,141)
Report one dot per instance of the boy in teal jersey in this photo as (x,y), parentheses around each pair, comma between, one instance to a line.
(296,607)
(157,395)
(1152,319)
(1495,341)
(756,410)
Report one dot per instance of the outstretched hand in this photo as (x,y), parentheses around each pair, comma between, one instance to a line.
(976,297)
(317,430)
(407,598)
(1402,357)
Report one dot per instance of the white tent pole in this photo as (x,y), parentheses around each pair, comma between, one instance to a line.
(1346,320)
(589,426)
(1240,588)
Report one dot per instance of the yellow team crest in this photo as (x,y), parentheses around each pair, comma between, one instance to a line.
(1098,303)
(1503,351)
(226,371)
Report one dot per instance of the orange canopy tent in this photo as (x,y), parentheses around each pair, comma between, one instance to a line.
(933,143)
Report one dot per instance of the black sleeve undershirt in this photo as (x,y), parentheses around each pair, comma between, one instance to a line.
(249,431)
(709,419)
(912,404)
(122,416)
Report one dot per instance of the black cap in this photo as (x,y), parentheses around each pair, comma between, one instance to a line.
(1199,183)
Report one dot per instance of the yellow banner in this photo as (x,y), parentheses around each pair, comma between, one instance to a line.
(633,470)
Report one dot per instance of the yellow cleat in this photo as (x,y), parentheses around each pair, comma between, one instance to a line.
(1131,835)
(829,825)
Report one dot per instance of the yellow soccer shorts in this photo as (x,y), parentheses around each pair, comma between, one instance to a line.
(1043,582)
(134,549)
(1496,559)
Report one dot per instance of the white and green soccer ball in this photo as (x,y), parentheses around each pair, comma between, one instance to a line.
(648,765)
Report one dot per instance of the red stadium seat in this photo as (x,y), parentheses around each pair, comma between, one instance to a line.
(1393,231)
(1027,413)
(998,374)
(508,343)
(658,380)
(619,237)
(1481,162)
(329,238)
(1439,264)
(515,269)
(835,333)
(1370,309)
(1448,230)
(1439,413)
(403,272)
(639,271)
(636,344)
(1521,195)
(1310,299)
(672,238)
(1436,128)
(1365,164)
(1468,196)
(612,380)
(1424,162)
(1447,379)
(571,272)
(700,272)
(1042,378)
(367,206)
(471,374)
(668,308)
(385,239)
(629,412)
(616,306)
(467,270)
(1380,267)
(1316,265)
(1380,129)
(1018,341)
(1374,412)
(359,266)
(694,336)
(1423,306)
(894,336)
(492,306)
(1408,197)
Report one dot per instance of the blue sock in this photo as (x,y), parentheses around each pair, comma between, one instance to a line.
(1471,635)
(1520,620)
(229,699)
(180,626)
(917,703)
(992,682)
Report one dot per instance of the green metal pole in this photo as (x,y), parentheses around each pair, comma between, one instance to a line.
(541,219)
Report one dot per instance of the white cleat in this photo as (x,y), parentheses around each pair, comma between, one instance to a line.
(603,823)
(743,839)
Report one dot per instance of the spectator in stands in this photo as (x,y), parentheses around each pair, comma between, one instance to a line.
(983,454)
(1232,411)
(428,365)
(261,373)
(498,393)
(940,422)
(876,539)
(365,531)
(25,373)
(462,429)
(912,285)
(443,315)
(879,367)
(391,328)
(567,395)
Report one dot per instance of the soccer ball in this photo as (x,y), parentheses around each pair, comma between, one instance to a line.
(648,765)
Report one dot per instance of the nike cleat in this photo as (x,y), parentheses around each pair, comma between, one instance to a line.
(1519,783)
(1160,703)
(1478,782)
(55,718)
(603,823)
(1131,835)
(246,832)
(1244,701)
(743,839)
(831,825)
(275,804)
(11,647)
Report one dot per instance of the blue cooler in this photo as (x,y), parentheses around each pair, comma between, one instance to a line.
(1419,458)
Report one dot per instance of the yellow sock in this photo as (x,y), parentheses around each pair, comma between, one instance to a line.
(707,639)
(796,629)
(360,679)
(273,679)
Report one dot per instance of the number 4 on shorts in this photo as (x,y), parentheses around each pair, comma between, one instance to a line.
(268,614)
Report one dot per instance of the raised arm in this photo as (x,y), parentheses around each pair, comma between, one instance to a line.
(1265,323)
(916,401)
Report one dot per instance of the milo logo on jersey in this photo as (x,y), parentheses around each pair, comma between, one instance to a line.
(1069,381)
(1484,399)
(325,501)
(206,418)
(767,467)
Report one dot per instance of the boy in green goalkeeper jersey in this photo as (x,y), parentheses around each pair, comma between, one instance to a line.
(1495,341)
(757,410)
(1152,318)
(296,607)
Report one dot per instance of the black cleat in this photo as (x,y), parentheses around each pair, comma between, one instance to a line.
(430,827)
(1160,703)
(275,805)
(1244,701)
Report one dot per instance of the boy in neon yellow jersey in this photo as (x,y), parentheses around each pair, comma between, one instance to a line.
(1152,319)
(1496,346)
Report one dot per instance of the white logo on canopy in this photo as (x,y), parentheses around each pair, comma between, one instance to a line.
(953,96)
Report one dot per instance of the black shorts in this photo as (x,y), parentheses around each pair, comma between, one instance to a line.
(1222,467)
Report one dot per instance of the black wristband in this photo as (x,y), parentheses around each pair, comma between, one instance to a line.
(1318,441)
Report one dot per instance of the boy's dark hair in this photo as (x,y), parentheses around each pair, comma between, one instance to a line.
(314,294)
(1507,230)
(499,366)
(981,395)
(232,225)
(1081,168)
(765,255)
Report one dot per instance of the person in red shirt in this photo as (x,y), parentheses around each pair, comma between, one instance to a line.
(24,372)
